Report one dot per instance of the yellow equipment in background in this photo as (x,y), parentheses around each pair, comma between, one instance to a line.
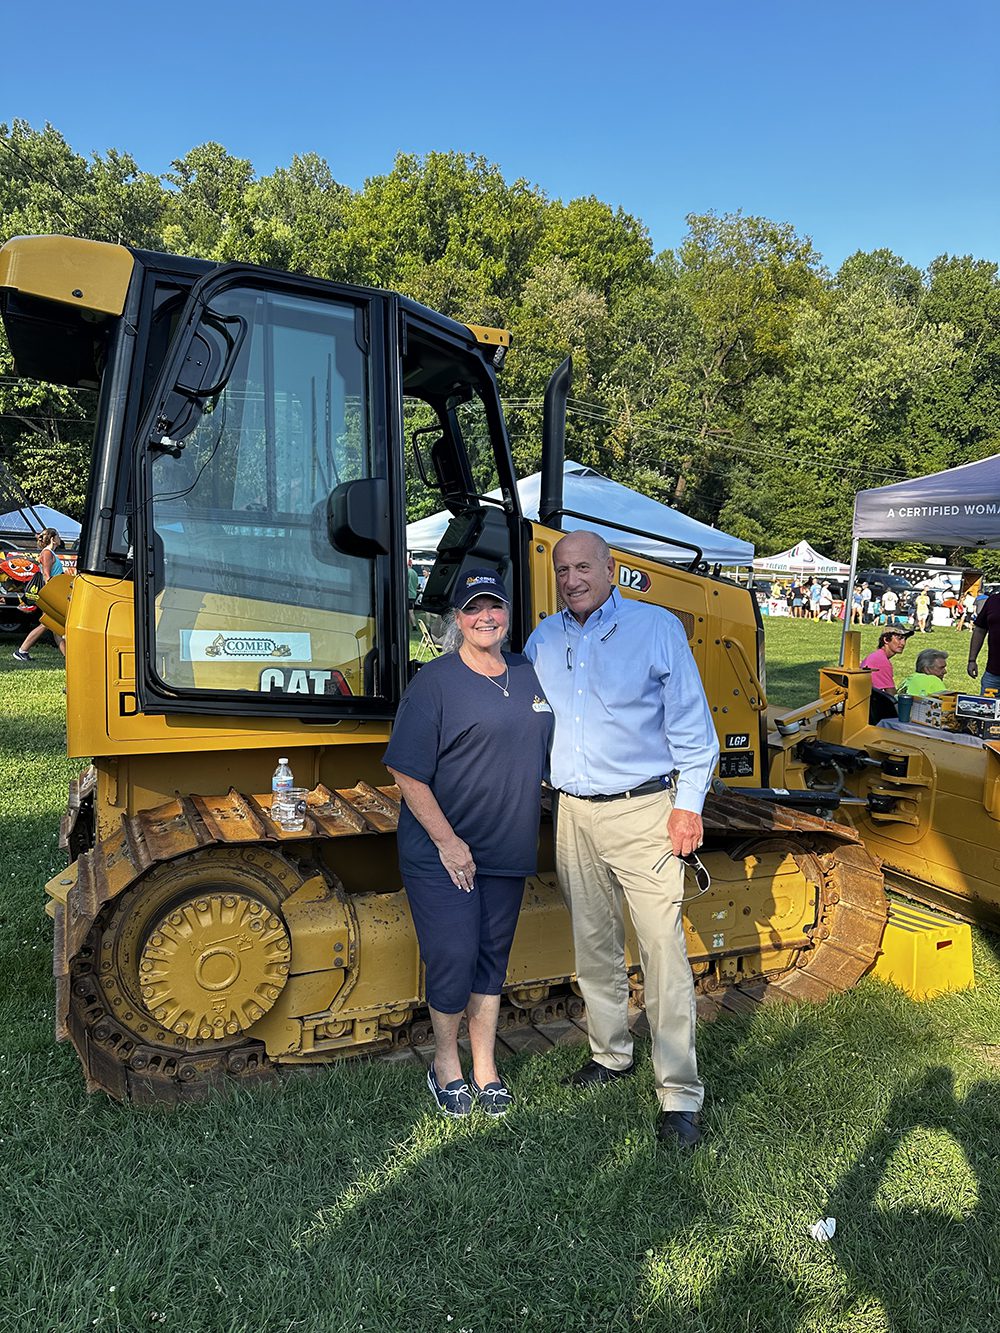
(241,594)
(925,954)
(925,803)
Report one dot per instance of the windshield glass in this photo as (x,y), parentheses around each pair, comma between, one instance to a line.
(249,593)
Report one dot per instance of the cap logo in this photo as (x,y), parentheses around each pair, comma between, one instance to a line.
(473,579)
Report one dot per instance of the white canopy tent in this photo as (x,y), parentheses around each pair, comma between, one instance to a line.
(801,559)
(591,493)
(957,507)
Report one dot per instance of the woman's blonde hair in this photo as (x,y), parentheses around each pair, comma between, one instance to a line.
(45,536)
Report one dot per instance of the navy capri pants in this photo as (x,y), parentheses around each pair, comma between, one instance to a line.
(464,938)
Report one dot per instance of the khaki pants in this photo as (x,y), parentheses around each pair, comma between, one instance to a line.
(605,852)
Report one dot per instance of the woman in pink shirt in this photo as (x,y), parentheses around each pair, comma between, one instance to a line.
(879,663)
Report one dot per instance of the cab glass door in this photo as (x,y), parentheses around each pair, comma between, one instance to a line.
(253,602)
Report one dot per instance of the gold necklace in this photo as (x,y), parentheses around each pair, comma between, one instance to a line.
(486,676)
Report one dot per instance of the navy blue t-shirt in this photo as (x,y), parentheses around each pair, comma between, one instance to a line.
(482,755)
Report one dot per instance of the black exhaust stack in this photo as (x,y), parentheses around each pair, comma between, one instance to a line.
(550,501)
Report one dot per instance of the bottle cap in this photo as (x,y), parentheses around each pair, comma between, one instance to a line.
(283,761)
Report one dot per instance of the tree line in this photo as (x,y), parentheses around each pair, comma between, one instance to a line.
(734,376)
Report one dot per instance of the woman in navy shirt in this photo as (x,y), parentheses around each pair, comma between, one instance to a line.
(468,750)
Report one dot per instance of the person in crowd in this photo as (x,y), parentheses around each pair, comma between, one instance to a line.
(966,611)
(922,610)
(866,603)
(49,542)
(630,710)
(825,602)
(877,614)
(815,592)
(928,674)
(986,628)
(798,601)
(890,605)
(468,751)
(857,606)
(891,643)
(412,591)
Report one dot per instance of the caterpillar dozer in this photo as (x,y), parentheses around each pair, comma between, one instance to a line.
(241,595)
(925,802)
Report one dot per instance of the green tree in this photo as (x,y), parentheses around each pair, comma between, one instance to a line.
(294,219)
(447,230)
(883,269)
(652,384)
(605,249)
(956,414)
(746,280)
(836,420)
(205,214)
(556,317)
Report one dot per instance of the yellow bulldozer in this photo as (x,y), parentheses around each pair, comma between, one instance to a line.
(241,595)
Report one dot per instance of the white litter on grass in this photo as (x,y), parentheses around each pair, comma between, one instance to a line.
(824,1229)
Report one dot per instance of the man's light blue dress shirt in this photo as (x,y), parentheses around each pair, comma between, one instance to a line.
(628,701)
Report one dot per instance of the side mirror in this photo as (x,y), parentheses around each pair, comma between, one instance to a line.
(357,517)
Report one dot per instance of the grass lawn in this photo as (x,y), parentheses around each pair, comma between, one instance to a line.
(337,1201)
(796,649)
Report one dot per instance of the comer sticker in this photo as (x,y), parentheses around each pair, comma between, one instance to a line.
(208,645)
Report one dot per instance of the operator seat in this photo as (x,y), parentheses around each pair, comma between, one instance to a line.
(881,707)
(475,539)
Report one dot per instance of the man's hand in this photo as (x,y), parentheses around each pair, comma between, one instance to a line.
(685,831)
(972,670)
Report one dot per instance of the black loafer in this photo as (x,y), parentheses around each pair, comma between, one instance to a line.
(679,1127)
(592,1074)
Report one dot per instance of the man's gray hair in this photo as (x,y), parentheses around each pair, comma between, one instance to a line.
(928,657)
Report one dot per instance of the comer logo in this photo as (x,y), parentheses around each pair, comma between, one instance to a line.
(255,646)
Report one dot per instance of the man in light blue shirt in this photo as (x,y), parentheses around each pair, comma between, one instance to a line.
(630,712)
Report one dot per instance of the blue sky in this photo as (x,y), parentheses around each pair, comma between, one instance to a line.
(862,124)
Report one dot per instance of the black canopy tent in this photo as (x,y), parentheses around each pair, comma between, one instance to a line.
(958,507)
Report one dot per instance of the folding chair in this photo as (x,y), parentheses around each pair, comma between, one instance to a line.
(426,645)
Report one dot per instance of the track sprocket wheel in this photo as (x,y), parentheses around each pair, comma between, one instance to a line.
(178,968)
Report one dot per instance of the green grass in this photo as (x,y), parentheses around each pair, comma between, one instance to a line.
(796,649)
(337,1201)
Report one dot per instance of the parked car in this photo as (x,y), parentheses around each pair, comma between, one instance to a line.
(879,580)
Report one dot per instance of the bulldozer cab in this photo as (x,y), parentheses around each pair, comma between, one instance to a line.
(255,438)
(270,495)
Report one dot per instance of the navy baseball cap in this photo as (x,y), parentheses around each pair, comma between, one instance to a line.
(479,583)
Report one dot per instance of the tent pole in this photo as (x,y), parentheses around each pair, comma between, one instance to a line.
(849,600)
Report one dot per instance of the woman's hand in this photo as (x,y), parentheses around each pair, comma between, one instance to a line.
(454,853)
(457,860)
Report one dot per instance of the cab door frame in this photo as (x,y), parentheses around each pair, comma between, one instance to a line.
(381,327)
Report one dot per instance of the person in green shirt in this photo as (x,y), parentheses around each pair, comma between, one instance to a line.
(928,678)
(412,589)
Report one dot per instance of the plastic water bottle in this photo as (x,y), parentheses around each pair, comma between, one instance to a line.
(281,783)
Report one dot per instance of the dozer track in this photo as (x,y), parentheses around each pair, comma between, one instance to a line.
(192,882)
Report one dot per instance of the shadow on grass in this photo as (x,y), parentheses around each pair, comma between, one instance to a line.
(338,1200)
(932,1249)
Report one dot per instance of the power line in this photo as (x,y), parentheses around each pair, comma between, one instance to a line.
(55,420)
(36,177)
(754,445)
